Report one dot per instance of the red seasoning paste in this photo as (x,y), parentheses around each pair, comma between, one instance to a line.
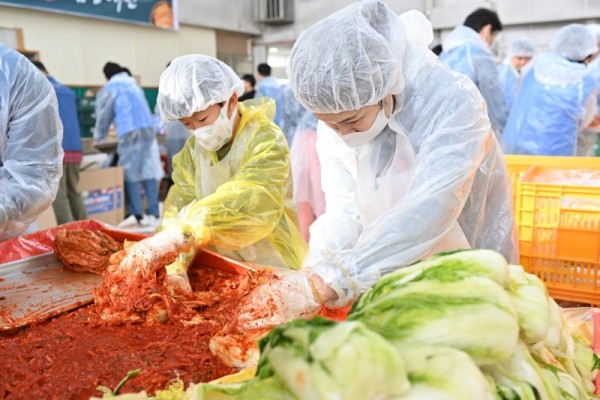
(68,356)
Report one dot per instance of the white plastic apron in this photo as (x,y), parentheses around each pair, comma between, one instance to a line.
(208,179)
(377,192)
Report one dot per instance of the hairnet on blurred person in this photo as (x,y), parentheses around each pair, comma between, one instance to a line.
(428,177)
(31,151)
(574,42)
(520,52)
(556,99)
(522,47)
(232,184)
(467,50)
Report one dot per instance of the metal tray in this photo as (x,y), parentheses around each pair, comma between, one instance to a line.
(37,288)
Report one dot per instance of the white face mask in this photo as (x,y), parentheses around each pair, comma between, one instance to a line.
(359,139)
(213,137)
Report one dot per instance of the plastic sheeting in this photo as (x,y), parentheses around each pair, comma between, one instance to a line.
(306,170)
(42,242)
(30,143)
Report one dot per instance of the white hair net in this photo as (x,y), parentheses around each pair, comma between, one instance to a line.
(193,83)
(352,73)
(595,29)
(574,42)
(521,47)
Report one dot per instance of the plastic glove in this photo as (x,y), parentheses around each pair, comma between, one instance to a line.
(272,304)
(153,253)
(177,277)
(295,296)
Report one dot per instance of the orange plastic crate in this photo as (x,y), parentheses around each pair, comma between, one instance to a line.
(559,235)
(519,164)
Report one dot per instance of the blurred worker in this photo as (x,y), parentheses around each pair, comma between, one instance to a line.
(249,91)
(121,100)
(268,86)
(30,143)
(233,187)
(68,205)
(409,163)
(306,170)
(588,138)
(557,97)
(467,50)
(520,53)
(176,134)
(291,112)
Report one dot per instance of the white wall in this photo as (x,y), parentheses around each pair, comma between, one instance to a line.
(74,49)
(229,15)
(307,12)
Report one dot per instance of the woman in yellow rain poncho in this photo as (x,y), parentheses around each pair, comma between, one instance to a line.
(233,187)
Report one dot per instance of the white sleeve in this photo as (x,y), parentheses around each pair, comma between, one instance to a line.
(32,159)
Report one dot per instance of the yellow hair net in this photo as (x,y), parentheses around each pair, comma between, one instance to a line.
(242,198)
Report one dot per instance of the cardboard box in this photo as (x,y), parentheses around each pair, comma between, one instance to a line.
(102,191)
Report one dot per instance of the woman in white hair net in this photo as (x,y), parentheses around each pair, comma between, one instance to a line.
(556,99)
(520,52)
(410,165)
(232,184)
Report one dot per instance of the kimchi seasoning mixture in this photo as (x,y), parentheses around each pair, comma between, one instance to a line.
(68,356)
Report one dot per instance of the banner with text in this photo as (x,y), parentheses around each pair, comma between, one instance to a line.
(159,13)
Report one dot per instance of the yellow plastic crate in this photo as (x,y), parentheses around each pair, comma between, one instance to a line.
(518,164)
(559,235)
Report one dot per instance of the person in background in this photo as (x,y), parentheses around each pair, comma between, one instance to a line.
(249,91)
(588,139)
(233,187)
(68,205)
(176,134)
(122,101)
(30,143)
(268,86)
(291,112)
(306,170)
(520,52)
(467,50)
(409,163)
(557,97)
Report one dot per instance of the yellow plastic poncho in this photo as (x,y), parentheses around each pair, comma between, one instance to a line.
(239,200)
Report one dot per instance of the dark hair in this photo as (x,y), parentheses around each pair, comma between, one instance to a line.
(437,49)
(264,69)
(110,69)
(482,17)
(250,79)
(40,66)
(126,70)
